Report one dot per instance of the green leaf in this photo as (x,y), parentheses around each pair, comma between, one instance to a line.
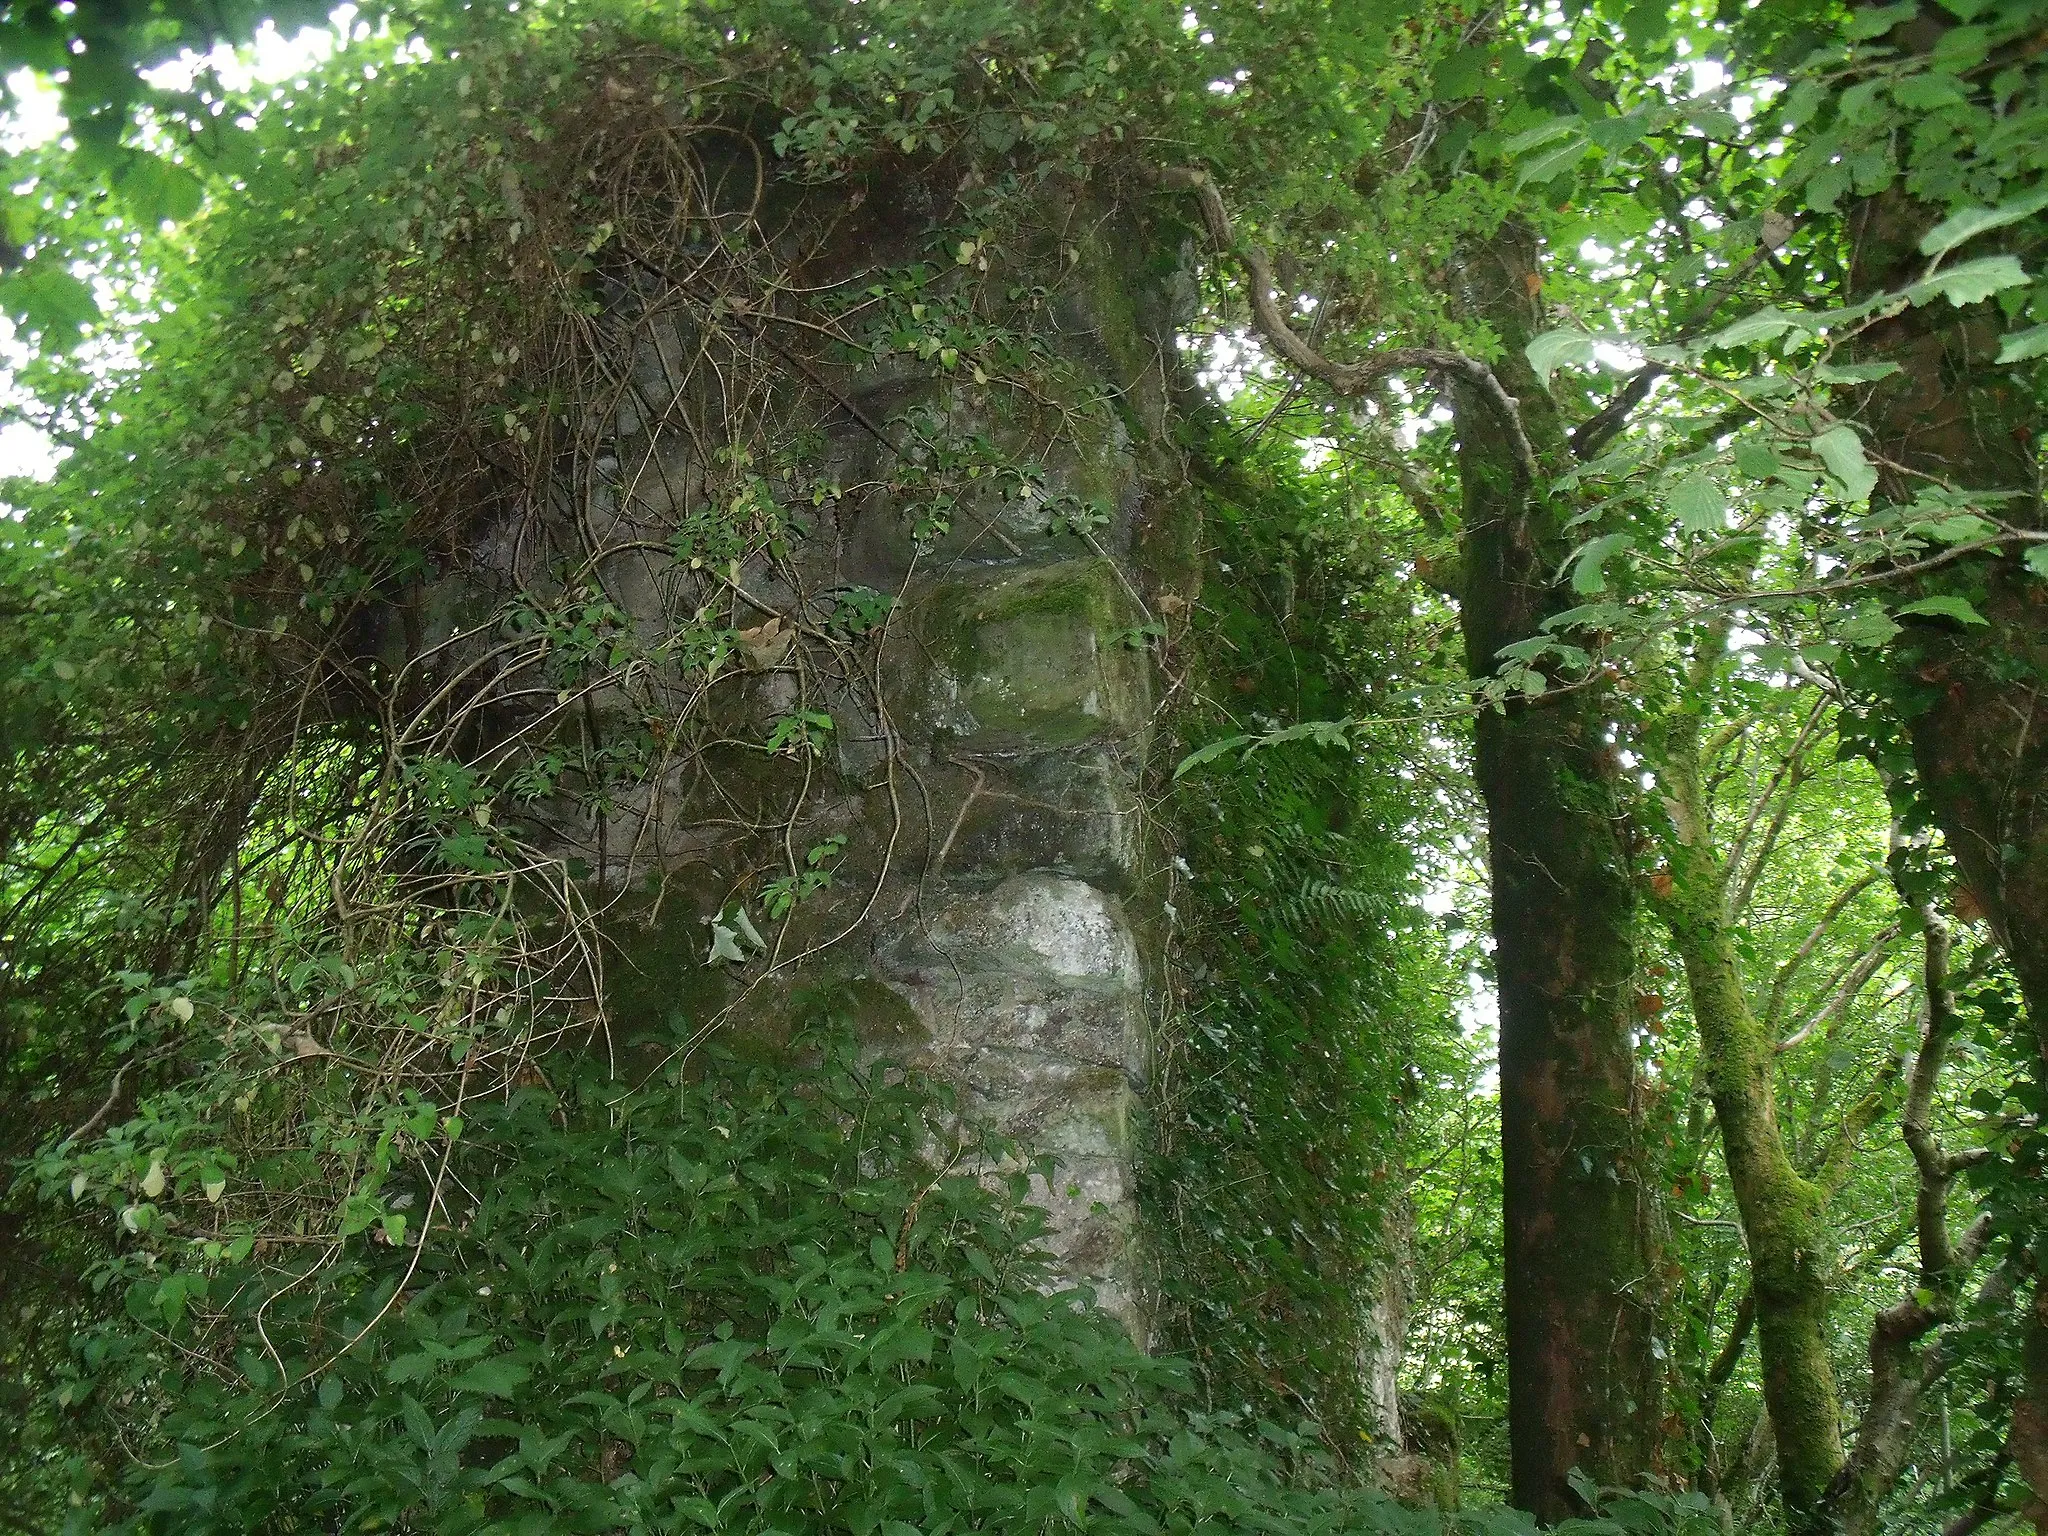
(1875,22)
(1971,283)
(1587,616)
(1757,460)
(1559,349)
(2019,346)
(1542,133)
(1460,75)
(1944,607)
(1960,528)
(1761,326)
(1842,451)
(1854,373)
(156,190)
(1589,570)
(725,945)
(1870,626)
(42,296)
(1700,505)
(499,1377)
(1969,224)
(1202,756)
(2037,559)
(1543,167)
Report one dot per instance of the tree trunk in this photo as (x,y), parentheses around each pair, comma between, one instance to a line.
(1974,698)
(1789,1249)
(1581,1287)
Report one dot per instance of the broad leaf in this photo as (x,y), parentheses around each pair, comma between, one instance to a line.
(1842,451)
(1968,223)
(1589,571)
(2019,346)
(500,1377)
(1700,505)
(1869,626)
(1203,756)
(1944,607)
(1761,326)
(1559,349)
(44,297)
(1971,283)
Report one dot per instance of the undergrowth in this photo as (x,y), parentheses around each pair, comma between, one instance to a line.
(760,1299)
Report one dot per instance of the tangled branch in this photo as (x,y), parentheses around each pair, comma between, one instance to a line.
(1352,378)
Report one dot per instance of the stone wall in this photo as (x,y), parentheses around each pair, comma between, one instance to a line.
(989,913)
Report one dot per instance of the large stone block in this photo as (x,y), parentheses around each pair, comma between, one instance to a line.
(1030,658)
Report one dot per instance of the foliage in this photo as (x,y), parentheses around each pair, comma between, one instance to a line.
(256,883)
(755,1300)
(1303,979)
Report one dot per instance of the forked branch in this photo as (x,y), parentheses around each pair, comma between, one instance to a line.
(1345,378)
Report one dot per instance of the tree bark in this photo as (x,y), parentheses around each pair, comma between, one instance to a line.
(1579,1257)
(1974,699)
(1790,1252)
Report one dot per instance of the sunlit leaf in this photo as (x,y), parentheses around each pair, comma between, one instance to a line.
(1842,451)
(1971,283)
(1699,504)
(1559,349)
(2020,346)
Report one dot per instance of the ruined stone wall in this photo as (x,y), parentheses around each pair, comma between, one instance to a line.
(981,750)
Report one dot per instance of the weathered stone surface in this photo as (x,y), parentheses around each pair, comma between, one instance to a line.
(1024,658)
(987,743)
(1034,993)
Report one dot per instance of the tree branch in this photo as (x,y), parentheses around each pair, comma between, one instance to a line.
(1790,968)
(1344,378)
(1898,1374)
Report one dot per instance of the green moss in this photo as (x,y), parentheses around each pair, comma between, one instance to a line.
(870,1011)
(655,975)
(1034,657)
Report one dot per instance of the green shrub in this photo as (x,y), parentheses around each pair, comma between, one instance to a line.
(748,1302)
(759,1300)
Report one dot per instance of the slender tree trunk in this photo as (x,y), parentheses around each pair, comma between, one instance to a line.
(1581,1281)
(1790,1252)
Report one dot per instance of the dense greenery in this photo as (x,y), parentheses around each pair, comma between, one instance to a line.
(1608,437)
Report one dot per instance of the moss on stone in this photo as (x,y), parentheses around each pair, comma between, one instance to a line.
(1034,657)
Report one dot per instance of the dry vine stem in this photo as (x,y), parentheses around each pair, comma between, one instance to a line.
(1345,378)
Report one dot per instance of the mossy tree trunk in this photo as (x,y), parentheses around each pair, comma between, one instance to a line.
(1782,1221)
(1580,1274)
(1974,699)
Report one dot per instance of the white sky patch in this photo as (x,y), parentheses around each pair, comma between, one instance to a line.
(1612,354)
(270,59)
(1708,75)
(1410,429)
(26,451)
(34,113)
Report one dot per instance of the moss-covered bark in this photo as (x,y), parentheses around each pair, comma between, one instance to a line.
(1974,699)
(1580,1277)
(1789,1249)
